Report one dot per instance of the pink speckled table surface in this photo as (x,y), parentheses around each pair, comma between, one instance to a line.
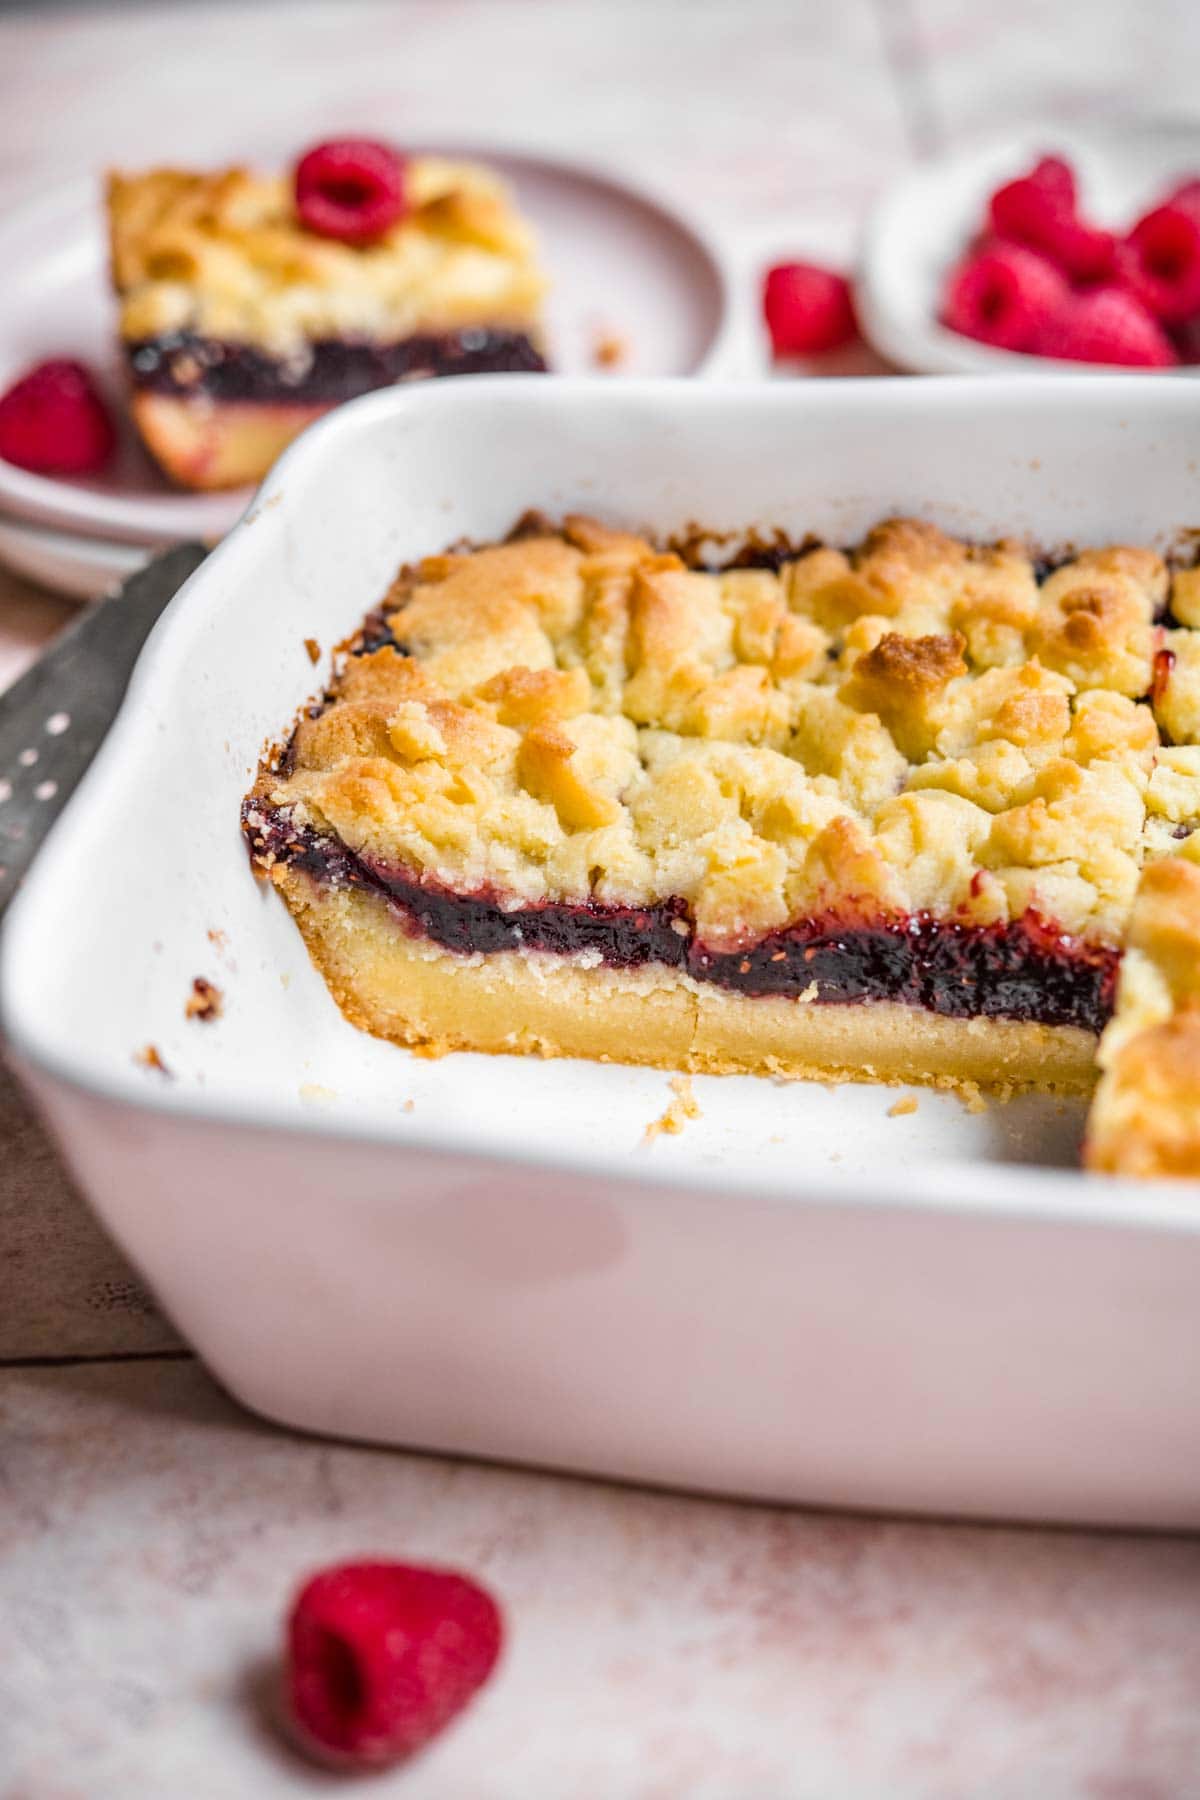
(660,1646)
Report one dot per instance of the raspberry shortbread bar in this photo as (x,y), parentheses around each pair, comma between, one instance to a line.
(252,303)
(881,813)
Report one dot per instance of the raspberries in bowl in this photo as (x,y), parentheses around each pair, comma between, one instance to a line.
(1043,278)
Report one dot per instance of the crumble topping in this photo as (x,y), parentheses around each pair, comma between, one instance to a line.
(224,255)
(915,726)
(1146,1116)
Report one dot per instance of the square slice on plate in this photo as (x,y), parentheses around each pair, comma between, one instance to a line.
(251,303)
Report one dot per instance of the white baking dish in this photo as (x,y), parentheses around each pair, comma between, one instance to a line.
(801,1296)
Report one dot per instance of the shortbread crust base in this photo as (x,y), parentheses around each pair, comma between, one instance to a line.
(413,992)
(210,444)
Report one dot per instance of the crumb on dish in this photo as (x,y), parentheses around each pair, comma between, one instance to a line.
(610,350)
(315,1094)
(900,1109)
(683,1107)
(205,1002)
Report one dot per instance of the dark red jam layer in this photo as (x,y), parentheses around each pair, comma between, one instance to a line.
(1023,970)
(328,371)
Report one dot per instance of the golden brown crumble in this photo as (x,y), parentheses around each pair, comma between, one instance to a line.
(917,725)
(914,725)
(1146,1116)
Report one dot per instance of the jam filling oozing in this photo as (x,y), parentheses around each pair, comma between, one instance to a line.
(327,371)
(1025,969)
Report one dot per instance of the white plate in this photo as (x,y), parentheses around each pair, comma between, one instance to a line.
(81,568)
(622,263)
(922,226)
(800,1296)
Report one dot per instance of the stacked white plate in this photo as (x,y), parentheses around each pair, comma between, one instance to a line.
(629,275)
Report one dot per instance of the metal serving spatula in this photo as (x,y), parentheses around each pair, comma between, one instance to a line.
(55,717)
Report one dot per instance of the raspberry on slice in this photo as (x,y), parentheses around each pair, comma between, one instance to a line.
(1039,210)
(1160,262)
(1107,325)
(1003,295)
(807,309)
(352,189)
(382,1655)
(54,422)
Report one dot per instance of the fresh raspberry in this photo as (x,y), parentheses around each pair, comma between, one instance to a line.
(1186,339)
(1187,195)
(1160,262)
(54,422)
(1057,178)
(1039,210)
(381,1655)
(1108,325)
(1003,295)
(807,309)
(351,188)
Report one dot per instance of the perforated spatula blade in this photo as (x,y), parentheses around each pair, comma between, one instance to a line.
(55,717)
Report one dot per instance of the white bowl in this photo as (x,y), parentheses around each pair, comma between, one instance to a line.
(924,223)
(800,1296)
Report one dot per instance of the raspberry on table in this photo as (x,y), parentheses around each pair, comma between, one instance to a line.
(808,309)
(1108,325)
(53,421)
(352,189)
(382,1655)
(1003,295)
